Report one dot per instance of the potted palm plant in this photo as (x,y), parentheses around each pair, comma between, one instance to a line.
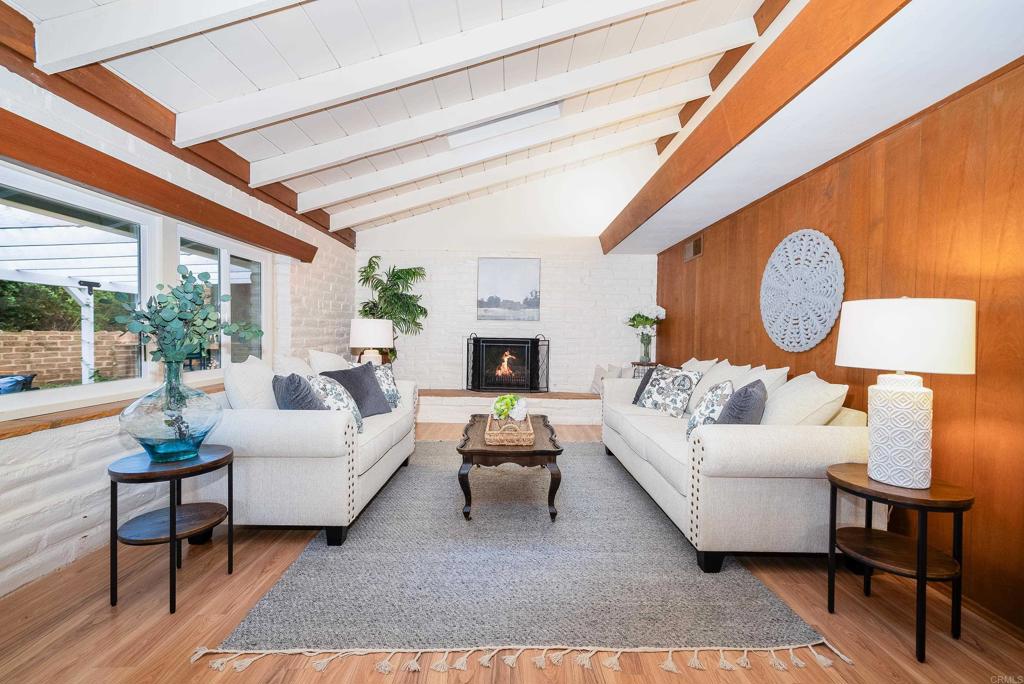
(392,297)
(172,421)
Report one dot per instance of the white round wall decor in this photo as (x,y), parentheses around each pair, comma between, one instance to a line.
(802,290)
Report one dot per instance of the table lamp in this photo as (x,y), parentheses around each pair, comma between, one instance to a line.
(371,334)
(906,334)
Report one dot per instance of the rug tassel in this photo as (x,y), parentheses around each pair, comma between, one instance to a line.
(743,661)
(583,659)
(240,665)
(838,653)
(540,660)
(724,664)
(612,663)
(795,659)
(321,665)
(668,665)
(556,658)
(694,661)
(823,661)
(485,660)
(463,661)
(384,666)
(220,663)
(414,664)
(775,662)
(510,660)
(442,664)
(197,654)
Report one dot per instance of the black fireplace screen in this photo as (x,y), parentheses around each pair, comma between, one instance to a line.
(507,364)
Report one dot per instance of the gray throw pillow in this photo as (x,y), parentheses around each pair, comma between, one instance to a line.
(643,385)
(294,393)
(745,406)
(361,383)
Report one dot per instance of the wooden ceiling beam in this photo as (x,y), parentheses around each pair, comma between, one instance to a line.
(818,37)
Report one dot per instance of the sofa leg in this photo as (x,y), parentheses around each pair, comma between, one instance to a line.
(710,561)
(608,451)
(336,535)
(406,461)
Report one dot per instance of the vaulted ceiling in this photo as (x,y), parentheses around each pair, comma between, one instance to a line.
(350,103)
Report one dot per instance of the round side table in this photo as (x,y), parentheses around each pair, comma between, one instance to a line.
(899,553)
(194,521)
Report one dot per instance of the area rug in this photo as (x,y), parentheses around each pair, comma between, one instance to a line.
(611,574)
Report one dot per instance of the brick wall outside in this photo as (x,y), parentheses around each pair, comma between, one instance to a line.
(55,356)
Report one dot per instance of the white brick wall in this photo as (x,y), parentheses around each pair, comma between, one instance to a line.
(54,492)
(584,298)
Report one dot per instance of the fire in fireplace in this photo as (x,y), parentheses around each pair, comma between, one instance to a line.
(507,364)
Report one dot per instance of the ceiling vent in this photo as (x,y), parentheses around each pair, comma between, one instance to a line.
(693,249)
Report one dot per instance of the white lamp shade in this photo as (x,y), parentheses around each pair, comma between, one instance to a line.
(908,334)
(371,333)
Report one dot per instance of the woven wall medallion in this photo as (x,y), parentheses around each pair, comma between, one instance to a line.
(802,290)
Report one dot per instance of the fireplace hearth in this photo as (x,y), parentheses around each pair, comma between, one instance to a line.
(507,364)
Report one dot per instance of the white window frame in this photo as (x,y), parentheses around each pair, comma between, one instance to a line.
(159,245)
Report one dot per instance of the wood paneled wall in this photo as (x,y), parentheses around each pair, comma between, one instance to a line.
(931,208)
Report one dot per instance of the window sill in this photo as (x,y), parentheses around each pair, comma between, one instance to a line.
(45,415)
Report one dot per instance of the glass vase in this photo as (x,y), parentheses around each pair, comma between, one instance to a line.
(172,421)
(645,340)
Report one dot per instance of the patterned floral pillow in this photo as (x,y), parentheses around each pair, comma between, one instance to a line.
(385,375)
(710,406)
(669,390)
(335,397)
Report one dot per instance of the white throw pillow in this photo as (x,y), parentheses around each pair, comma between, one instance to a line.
(773,378)
(250,385)
(616,370)
(597,385)
(710,407)
(326,361)
(700,366)
(286,365)
(720,372)
(804,400)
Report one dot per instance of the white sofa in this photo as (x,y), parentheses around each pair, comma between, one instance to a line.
(307,468)
(737,488)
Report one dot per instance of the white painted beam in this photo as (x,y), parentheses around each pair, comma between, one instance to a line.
(407,131)
(648,103)
(118,28)
(84,299)
(61,281)
(395,69)
(502,174)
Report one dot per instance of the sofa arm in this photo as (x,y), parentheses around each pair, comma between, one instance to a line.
(266,433)
(752,451)
(619,390)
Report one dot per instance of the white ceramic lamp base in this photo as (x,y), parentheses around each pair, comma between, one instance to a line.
(371,356)
(900,431)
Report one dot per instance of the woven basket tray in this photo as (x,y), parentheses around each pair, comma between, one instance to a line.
(508,432)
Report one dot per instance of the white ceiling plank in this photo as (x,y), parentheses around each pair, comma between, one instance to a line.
(287,136)
(520,68)
(553,58)
(509,172)
(354,117)
(621,37)
(487,78)
(587,47)
(435,19)
(476,13)
(392,70)
(252,146)
(343,28)
(118,28)
(513,8)
(392,24)
(419,98)
(293,35)
(164,82)
(386,108)
(320,127)
(473,112)
(509,143)
(248,49)
(197,58)
(453,88)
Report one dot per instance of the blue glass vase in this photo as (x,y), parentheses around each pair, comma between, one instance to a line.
(172,421)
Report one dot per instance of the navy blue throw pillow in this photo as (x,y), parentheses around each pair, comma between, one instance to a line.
(361,383)
(294,393)
(745,406)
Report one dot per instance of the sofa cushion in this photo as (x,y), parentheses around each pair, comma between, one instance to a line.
(322,361)
(773,378)
(701,366)
(380,433)
(250,385)
(804,400)
(335,397)
(286,365)
(361,382)
(710,407)
(294,393)
(745,406)
(669,390)
(621,417)
(720,372)
(664,446)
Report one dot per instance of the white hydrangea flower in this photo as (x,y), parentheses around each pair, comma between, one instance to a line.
(518,411)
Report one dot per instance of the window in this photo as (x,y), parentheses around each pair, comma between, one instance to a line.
(246,304)
(65,272)
(203,258)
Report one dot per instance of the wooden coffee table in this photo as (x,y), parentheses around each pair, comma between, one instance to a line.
(543,452)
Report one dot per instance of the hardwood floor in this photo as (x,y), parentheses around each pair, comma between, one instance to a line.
(62,629)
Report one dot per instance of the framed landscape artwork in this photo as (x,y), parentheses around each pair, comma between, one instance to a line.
(508,289)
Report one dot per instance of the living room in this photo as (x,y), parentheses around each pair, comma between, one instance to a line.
(510,340)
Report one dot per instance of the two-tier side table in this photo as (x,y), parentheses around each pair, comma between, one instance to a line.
(194,521)
(898,553)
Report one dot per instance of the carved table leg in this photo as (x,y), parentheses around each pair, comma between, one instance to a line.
(467,463)
(556,479)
